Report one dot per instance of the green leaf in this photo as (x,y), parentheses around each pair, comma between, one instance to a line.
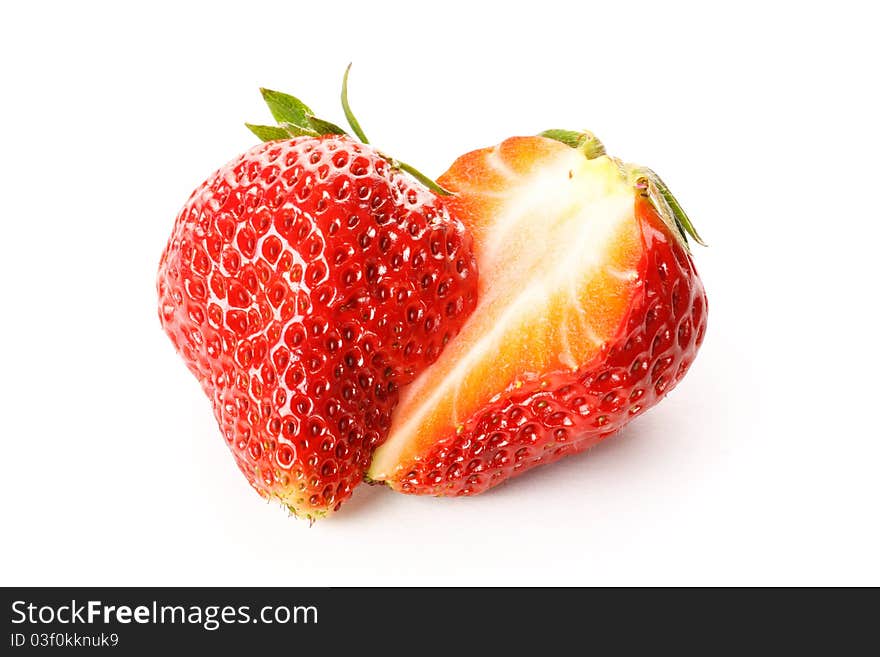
(295,117)
(268,132)
(298,130)
(349,115)
(684,223)
(571,138)
(325,127)
(586,142)
(286,108)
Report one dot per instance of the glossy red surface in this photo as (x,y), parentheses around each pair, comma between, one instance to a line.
(303,284)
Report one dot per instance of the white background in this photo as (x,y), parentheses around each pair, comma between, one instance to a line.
(760,468)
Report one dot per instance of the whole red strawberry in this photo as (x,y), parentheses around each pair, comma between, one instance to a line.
(590,311)
(303,284)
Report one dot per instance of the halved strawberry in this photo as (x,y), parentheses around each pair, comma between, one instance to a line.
(590,311)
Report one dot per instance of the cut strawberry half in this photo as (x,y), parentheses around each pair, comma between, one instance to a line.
(589,311)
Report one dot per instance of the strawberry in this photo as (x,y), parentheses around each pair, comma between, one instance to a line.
(590,311)
(303,284)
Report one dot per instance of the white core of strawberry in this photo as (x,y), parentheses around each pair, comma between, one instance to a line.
(548,238)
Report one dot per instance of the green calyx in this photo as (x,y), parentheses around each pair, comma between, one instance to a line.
(585,142)
(651,185)
(647,182)
(296,119)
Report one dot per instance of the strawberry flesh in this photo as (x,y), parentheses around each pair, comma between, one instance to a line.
(590,311)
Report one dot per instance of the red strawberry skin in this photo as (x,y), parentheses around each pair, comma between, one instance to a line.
(303,284)
(559,413)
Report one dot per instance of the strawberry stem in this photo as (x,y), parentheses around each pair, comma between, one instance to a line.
(349,115)
(356,128)
(422,178)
